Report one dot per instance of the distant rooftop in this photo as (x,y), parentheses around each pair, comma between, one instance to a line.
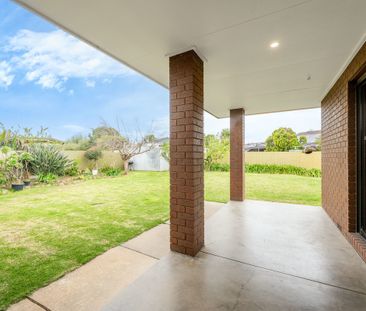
(312,132)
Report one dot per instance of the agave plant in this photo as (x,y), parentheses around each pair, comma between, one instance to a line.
(47,159)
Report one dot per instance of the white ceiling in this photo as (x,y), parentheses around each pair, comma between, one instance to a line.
(317,38)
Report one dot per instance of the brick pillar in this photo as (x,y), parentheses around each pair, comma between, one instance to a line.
(186,153)
(236,154)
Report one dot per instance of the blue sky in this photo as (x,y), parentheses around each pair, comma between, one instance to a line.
(48,78)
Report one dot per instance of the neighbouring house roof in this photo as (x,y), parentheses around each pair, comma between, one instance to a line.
(311,136)
(316,132)
(162,140)
(255,147)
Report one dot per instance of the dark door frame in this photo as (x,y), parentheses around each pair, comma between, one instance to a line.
(361,157)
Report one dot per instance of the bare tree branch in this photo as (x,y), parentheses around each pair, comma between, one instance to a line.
(126,144)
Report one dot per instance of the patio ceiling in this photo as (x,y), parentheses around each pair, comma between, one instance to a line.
(317,38)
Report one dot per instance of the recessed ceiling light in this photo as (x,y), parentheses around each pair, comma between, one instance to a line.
(274,44)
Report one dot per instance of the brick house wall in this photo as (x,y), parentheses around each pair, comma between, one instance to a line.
(339,152)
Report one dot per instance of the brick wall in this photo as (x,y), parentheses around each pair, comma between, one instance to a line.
(236,154)
(339,154)
(186,153)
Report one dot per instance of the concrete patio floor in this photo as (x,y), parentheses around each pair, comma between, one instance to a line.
(257,256)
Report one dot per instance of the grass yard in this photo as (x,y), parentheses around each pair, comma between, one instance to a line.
(278,188)
(47,231)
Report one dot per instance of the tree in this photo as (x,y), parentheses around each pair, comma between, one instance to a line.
(303,140)
(225,135)
(126,145)
(78,142)
(216,147)
(97,134)
(318,143)
(93,155)
(165,151)
(270,144)
(150,138)
(103,130)
(282,139)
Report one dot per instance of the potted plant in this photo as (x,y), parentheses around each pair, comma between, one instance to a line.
(11,168)
(93,155)
(26,158)
(15,171)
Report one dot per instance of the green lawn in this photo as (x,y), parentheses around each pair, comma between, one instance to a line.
(278,188)
(47,231)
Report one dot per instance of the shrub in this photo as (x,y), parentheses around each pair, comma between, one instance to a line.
(281,169)
(93,154)
(219,167)
(111,171)
(3,180)
(73,169)
(269,169)
(11,166)
(71,146)
(47,159)
(48,178)
(77,142)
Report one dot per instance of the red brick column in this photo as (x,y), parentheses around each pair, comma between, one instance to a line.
(186,153)
(236,154)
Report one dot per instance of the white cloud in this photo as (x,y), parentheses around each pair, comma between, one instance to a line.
(6,78)
(75,128)
(49,81)
(90,83)
(51,58)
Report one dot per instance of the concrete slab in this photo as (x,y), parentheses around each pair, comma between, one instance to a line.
(25,305)
(208,282)
(90,286)
(212,208)
(294,239)
(156,241)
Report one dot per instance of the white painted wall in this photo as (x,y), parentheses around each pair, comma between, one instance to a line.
(150,161)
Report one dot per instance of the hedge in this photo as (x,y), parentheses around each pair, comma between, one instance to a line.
(270,169)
